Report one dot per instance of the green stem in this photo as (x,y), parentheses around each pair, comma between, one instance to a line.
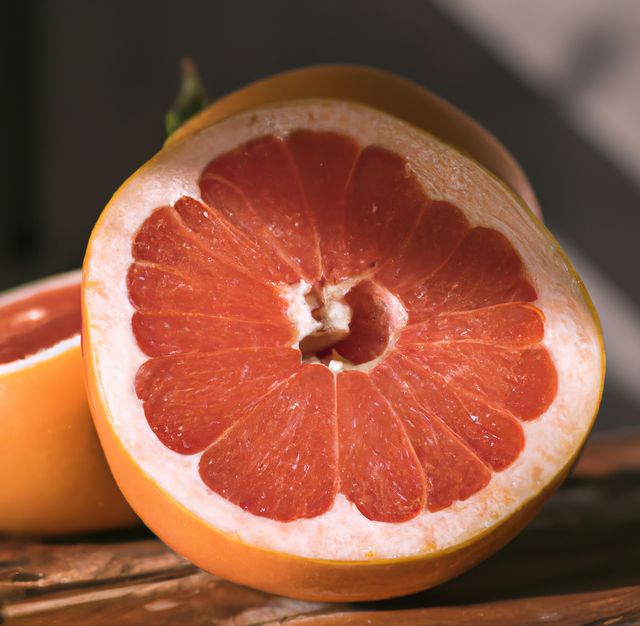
(191,98)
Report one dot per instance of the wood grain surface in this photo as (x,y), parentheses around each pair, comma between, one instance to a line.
(578,563)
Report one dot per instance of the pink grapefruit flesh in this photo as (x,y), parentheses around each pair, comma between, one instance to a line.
(445,310)
(39,322)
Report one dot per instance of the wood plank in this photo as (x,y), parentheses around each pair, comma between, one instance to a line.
(577,563)
(620,607)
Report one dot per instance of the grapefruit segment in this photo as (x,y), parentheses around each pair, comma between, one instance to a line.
(438,233)
(503,325)
(349,344)
(324,162)
(263,175)
(379,470)
(522,382)
(190,400)
(154,289)
(384,202)
(224,241)
(167,244)
(452,472)
(280,460)
(484,270)
(161,334)
(233,206)
(492,434)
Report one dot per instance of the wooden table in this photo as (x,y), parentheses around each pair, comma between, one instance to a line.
(577,563)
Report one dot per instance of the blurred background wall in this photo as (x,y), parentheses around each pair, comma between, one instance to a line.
(86,84)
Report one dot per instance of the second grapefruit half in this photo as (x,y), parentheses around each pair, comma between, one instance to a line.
(53,475)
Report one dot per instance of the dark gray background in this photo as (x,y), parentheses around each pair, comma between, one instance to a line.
(86,85)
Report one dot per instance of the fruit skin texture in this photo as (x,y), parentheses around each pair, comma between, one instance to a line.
(308,578)
(53,475)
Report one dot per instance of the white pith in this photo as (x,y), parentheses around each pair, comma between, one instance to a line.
(26,291)
(299,311)
(335,318)
(571,336)
(337,315)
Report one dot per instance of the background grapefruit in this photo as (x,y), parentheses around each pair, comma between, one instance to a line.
(53,475)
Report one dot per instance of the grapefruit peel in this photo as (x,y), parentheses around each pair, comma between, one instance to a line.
(339,554)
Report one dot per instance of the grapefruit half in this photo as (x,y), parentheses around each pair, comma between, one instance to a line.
(53,474)
(331,357)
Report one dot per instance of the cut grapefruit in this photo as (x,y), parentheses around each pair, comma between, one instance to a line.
(331,357)
(53,475)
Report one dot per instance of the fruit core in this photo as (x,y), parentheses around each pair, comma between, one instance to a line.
(350,324)
(316,327)
(40,321)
